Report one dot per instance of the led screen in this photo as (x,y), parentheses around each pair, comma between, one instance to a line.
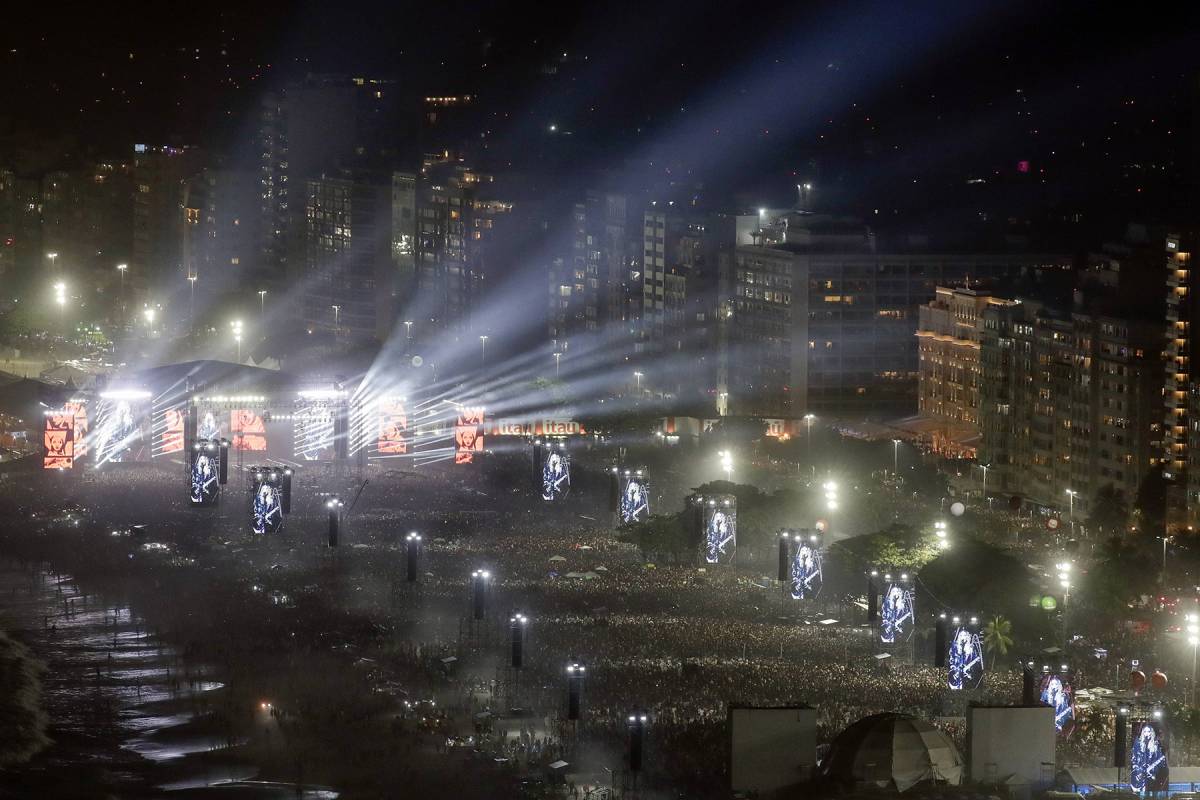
(807,578)
(896,614)
(266,513)
(556,475)
(208,424)
(118,435)
(172,435)
(314,433)
(392,438)
(1057,692)
(58,438)
(964,662)
(249,431)
(635,498)
(468,435)
(1148,767)
(720,531)
(78,410)
(204,484)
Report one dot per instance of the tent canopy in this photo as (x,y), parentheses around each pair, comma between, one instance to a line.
(892,751)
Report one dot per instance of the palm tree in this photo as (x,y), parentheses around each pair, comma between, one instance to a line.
(997,637)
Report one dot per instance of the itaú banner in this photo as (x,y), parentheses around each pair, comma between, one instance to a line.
(541,427)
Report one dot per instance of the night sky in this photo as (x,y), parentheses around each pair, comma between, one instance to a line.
(871,101)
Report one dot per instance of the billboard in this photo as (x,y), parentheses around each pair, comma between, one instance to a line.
(392,433)
(58,440)
(807,578)
(266,510)
(468,435)
(897,613)
(720,530)
(964,662)
(205,466)
(556,475)
(635,497)
(1149,770)
(1056,691)
(249,431)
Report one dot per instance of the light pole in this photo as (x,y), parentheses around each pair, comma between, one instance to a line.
(60,297)
(1071,508)
(939,528)
(896,458)
(336,312)
(1193,629)
(407,332)
(1163,577)
(191,303)
(638,377)
(483,337)
(121,269)
(237,337)
(808,421)
(53,258)
(984,467)
(262,304)
(727,464)
(1064,580)
(557,357)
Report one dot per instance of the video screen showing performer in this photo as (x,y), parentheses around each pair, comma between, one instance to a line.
(635,499)
(118,433)
(267,514)
(720,533)
(964,664)
(806,572)
(313,433)
(1057,692)
(468,435)
(78,410)
(204,475)
(1148,768)
(556,475)
(171,440)
(58,439)
(896,614)
(249,431)
(208,425)
(392,439)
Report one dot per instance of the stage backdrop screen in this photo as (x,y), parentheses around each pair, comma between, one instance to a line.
(807,577)
(208,424)
(58,438)
(720,531)
(1057,692)
(204,474)
(313,432)
(249,431)
(1148,765)
(172,435)
(556,475)
(392,435)
(78,410)
(635,498)
(468,435)
(119,434)
(266,513)
(964,662)
(897,613)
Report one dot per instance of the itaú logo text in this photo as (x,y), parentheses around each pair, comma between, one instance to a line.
(545,427)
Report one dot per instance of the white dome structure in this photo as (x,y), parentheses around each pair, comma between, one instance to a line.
(891,751)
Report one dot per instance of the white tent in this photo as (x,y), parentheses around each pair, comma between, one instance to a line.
(892,750)
(558,558)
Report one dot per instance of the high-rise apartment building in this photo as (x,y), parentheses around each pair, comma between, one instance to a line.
(160,180)
(1069,401)
(823,316)
(948,342)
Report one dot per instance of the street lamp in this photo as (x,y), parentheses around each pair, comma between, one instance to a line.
(557,357)
(1193,630)
(408,330)
(236,325)
(727,464)
(808,421)
(191,301)
(984,467)
(336,311)
(1071,508)
(896,458)
(483,337)
(638,377)
(939,528)
(53,258)
(60,297)
(262,303)
(831,495)
(121,269)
